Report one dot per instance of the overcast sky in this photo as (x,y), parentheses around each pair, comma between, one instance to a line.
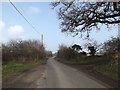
(40,14)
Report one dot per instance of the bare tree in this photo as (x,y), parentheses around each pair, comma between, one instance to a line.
(79,17)
(67,53)
(23,51)
(93,43)
(112,46)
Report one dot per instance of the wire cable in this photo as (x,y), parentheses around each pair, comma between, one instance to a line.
(24,17)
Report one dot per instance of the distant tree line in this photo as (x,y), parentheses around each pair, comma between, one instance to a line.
(111,48)
(24,51)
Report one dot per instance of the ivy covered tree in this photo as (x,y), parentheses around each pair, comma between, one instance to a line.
(76,17)
(92,50)
(76,47)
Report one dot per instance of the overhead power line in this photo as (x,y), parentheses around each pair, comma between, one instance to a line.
(24,17)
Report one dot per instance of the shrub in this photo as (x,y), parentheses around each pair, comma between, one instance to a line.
(65,52)
(23,51)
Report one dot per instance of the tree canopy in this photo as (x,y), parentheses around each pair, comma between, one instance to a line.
(76,47)
(76,17)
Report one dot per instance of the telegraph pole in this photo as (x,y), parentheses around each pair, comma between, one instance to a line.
(118,37)
(42,39)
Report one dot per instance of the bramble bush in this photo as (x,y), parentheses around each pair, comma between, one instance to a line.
(65,52)
(23,51)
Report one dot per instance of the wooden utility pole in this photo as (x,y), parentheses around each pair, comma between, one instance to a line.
(119,30)
(42,39)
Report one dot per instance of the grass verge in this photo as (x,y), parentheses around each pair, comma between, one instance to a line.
(15,67)
(109,70)
(87,60)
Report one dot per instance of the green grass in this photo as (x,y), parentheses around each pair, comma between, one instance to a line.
(14,67)
(108,69)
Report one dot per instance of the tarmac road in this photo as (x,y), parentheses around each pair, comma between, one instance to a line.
(52,75)
(62,76)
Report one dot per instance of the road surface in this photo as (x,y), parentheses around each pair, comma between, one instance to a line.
(53,75)
(62,76)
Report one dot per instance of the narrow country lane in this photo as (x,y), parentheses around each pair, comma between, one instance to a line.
(62,76)
(52,75)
